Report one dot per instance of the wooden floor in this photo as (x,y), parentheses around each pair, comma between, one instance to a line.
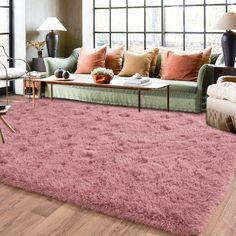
(29,214)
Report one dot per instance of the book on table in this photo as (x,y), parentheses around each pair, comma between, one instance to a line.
(137,81)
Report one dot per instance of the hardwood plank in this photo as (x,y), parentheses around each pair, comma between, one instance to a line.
(20,223)
(226,224)
(216,217)
(47,207)
(59,222)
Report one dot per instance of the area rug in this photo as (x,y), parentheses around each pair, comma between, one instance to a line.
(166,170)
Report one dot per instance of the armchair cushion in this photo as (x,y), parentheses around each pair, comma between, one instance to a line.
(223,91)
(226,79)
(13,73)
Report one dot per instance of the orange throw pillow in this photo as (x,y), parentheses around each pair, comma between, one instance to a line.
(182,67)
(90,59)
(114,59)
(206,54)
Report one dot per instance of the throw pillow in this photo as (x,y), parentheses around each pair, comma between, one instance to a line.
(206,54)
(90,59)
(114,59)
(152,72)
(136,63)
(182,67)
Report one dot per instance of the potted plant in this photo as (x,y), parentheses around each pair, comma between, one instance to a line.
(102,75)
(38,45)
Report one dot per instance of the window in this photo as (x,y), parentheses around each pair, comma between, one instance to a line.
(6,29)
(143,24)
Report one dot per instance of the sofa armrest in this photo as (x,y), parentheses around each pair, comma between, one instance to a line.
(226,78)
(205,78)
(68,63)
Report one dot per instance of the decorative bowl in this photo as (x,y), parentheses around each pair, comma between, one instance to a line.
(102,79)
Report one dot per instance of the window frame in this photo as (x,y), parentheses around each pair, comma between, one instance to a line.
(163,32)
(10,34)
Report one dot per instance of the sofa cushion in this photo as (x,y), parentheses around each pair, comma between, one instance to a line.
(152,72)
(114,59)
(136,63)
(89,59)
(224,91)
(182,67)
(206,56)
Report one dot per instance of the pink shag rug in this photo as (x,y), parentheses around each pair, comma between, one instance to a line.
(166,170)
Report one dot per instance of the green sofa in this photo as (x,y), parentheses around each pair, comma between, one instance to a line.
(188,96)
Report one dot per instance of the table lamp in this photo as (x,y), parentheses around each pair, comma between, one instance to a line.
(228,22)
(51,24)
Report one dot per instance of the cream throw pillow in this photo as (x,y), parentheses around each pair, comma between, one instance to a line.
(153,66)
(136,63)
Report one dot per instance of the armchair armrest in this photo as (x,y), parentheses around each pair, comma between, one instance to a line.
(68,63)
(226,78)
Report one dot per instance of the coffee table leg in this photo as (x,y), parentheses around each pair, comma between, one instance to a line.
(51,92)
(33,88)
(2,137)
(168,98)
(139,100)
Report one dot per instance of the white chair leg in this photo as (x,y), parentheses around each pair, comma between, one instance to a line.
(7,124)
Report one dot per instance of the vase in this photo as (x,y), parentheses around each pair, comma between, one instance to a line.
(102,79)
(66,74)
(40,54)
(59,73)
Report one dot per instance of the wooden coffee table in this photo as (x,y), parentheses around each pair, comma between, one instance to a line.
(117,83)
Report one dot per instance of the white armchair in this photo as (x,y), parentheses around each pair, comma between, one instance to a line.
(11,74)
(221,104)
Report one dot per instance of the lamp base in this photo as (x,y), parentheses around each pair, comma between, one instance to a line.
(229,47)
(52,43)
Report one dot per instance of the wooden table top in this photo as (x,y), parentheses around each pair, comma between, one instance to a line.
(117,82)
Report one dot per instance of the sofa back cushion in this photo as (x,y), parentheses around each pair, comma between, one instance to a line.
(206,56)
(136,63)
(153,66)
(182,66)
(90,59)
(114,59)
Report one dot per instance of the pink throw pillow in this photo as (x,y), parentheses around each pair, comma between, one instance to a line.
(89,59)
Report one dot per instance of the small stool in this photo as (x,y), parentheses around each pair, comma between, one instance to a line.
(2,113)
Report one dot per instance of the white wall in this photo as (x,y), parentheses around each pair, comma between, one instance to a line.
(20,39)
(87,16)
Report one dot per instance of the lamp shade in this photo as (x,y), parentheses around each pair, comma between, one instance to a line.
(226,22)
(51,23)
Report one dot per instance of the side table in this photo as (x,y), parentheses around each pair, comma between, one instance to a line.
(223,70)
(28,83)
